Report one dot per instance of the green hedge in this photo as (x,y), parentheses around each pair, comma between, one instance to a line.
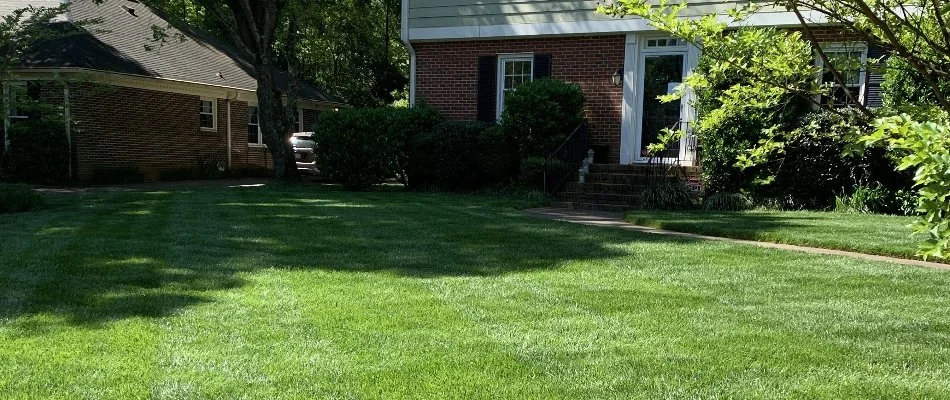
(363,147)
(39,152)
(539,115)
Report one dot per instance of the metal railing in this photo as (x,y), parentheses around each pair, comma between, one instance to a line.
(664,167)
(566,159)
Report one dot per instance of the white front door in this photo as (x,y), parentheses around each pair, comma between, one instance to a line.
(656,66)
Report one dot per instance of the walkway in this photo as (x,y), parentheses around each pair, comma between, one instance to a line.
(615,220)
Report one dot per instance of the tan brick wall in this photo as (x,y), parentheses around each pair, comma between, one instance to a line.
(447,76)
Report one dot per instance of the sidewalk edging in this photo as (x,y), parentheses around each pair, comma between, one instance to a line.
(615,220)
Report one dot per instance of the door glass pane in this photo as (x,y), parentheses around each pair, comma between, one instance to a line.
(661,75)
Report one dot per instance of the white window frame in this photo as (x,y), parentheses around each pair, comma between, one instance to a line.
(214,114)
(845,48)
(502,59)
(260,134)
(299,121)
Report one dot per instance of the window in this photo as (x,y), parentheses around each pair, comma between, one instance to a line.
(207,115)
(513,70)
(254,135)
(849,62)
(298,120)
(665,42)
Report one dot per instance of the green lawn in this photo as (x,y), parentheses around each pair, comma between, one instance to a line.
(887,235)
(302,292)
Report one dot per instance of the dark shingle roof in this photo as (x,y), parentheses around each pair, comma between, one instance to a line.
(124,43)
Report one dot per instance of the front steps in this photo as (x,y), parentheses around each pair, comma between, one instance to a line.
(614,187)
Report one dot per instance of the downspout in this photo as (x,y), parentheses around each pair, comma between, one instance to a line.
(228,97)
(404,34)
(67,117)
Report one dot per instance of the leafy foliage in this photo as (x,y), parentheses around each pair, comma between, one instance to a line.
(539,115)
(447,157)
(725,201)
(866,199)
(39,151)
(363,147)
(668,194)
(18,198)
(927,150)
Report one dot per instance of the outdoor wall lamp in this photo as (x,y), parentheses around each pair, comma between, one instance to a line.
(617,77)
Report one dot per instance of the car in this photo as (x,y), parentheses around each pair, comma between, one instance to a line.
(305,152)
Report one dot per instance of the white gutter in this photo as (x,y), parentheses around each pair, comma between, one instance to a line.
(404,34)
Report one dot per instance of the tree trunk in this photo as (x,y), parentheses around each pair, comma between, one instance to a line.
(276,133)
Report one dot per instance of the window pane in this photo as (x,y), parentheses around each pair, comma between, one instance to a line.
(207,107)
(253,136)
(207,121)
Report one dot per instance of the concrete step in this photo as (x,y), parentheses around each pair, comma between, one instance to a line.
(618,179)
(609,188)
(591,206)
(601,198)
(643,169)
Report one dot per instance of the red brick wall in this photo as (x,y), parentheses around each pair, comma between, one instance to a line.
(447,75)
(119,127)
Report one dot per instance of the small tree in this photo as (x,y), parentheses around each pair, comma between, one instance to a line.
(913,33)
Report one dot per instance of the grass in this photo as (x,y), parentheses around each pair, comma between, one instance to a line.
(887,235)
(300,292)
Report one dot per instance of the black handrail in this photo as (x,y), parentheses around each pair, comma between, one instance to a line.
(567,159)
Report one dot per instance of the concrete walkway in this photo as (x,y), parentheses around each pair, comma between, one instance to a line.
(615,220)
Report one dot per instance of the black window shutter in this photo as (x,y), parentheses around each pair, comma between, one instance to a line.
(872,95)
(487,88)
(542,66)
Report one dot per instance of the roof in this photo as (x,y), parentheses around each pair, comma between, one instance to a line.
(124,43)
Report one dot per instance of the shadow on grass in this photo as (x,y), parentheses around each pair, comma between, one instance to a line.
(127,255)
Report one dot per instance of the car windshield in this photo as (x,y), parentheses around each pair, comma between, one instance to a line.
(301,141)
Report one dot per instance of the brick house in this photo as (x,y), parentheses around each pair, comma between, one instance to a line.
(466,54)
(137,103)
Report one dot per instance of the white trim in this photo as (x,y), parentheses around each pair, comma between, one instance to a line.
(628,111)
(260,134)
(843,47)
(626,25)
(230,123)
(300,127)
(214,114)
(500,84)
(157,84)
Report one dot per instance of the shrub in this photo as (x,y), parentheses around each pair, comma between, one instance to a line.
(497,156)
(866,199)
(363,147)
(724,201)
(671,195)
(39,152)
(533,169)
(116,176)
(452,152)
(539,115)
(18,198)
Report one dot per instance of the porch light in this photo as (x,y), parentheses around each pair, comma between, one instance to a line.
(617,77)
